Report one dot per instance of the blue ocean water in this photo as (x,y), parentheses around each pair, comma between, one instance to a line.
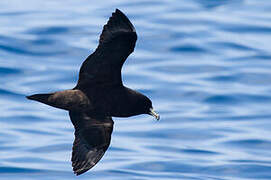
(204,63)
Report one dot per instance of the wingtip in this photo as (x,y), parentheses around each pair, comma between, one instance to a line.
(118,22)
(120,13)
(117,10)
(78,172)
(125,19)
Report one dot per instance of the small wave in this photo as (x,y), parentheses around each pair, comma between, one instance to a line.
(9,170)
(188,49)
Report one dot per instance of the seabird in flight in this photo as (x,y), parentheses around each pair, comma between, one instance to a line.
(100,94)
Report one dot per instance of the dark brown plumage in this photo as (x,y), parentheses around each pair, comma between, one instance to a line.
(100,94)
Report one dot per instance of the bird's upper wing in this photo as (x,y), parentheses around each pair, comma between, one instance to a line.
(117,42)
(92,138)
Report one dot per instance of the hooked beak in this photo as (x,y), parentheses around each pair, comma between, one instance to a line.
(154,114)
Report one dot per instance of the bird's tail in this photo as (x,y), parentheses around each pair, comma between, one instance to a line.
(43,98)
(67,99)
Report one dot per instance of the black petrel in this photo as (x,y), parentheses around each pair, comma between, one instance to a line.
(100,94)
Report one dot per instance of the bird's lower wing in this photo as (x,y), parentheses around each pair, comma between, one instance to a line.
(92,138)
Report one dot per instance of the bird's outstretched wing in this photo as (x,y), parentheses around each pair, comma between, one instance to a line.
(92,138)
(116,43)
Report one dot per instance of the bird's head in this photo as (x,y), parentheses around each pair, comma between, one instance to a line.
(148,108)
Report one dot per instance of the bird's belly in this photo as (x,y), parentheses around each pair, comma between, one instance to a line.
(112,101)
(120,107)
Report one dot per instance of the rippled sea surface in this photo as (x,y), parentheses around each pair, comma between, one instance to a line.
(204,63)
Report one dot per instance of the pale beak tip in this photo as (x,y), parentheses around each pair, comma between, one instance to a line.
(157,117)
(154,114)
